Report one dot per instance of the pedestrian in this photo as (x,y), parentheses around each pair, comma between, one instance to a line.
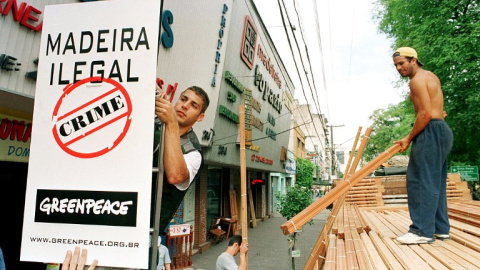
(182,158)
(164,260)
(226,260)
(432,140)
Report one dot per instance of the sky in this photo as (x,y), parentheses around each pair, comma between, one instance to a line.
(351,61)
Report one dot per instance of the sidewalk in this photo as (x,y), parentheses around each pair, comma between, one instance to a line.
(268,246)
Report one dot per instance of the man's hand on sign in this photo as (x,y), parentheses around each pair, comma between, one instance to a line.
(163,107)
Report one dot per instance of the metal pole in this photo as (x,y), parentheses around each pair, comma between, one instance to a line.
(158,202)
(158,198)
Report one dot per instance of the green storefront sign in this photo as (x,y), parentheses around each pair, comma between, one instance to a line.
(468,173)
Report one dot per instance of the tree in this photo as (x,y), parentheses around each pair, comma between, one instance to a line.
(446,35)
(304,173)
(297,197)
(389,125)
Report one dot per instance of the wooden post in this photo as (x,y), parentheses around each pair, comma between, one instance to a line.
(243,178)
(252,209)
(352,152)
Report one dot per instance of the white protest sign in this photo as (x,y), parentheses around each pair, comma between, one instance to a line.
(90,170)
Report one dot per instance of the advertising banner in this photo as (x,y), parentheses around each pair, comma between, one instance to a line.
(90,168)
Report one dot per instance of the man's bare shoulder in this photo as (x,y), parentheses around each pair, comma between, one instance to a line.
(424,78)
(425,75)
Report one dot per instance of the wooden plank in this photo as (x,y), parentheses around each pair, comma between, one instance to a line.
(243,177)
(352,262)
(465,239)
(401,223)
(233,211)
(453,249)
(395,232)
(252,209)
(372,253)
(381,229)
(341,256)
(330,260)
(465,227)
(428,258)
(459,260)
(465,249)
(387,256)
(437,254)
(392,208)
(360,251)
(340,224)
(406,258)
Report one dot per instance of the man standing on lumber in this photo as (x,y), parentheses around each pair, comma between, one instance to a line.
(431,140)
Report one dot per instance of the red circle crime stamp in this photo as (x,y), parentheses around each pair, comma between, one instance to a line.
(91,119)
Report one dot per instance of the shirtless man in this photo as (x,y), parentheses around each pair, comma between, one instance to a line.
(431,140)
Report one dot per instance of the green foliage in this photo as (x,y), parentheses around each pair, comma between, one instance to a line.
(304,173)
(296,199)
(299,196)
(446,35)
(388,126)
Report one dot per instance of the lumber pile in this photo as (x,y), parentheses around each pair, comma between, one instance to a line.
(348,218)
(367,192)
(395,187)
(456,188)
(377,247)
(391,190)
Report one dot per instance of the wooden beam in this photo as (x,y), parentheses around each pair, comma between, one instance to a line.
(243,178)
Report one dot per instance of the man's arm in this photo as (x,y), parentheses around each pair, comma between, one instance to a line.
(423,107)
(173,160)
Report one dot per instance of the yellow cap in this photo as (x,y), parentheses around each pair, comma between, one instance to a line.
(407,52)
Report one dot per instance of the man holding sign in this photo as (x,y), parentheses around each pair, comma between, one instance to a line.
(182,156)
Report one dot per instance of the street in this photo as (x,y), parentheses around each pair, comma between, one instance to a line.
(268,247)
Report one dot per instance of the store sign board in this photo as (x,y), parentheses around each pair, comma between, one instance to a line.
(15,136)
(89,177)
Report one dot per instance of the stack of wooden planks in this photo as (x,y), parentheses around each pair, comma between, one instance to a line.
(392,190)
(456,188)
(368,240)
(367,192)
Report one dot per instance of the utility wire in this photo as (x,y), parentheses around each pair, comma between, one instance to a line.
(296,66)
(310,67)
(279,60)
(319,40)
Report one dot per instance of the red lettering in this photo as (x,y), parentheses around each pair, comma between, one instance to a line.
(17,11)
(28,133)
(15,129)
(24,14)
(28,16)
(5,128)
